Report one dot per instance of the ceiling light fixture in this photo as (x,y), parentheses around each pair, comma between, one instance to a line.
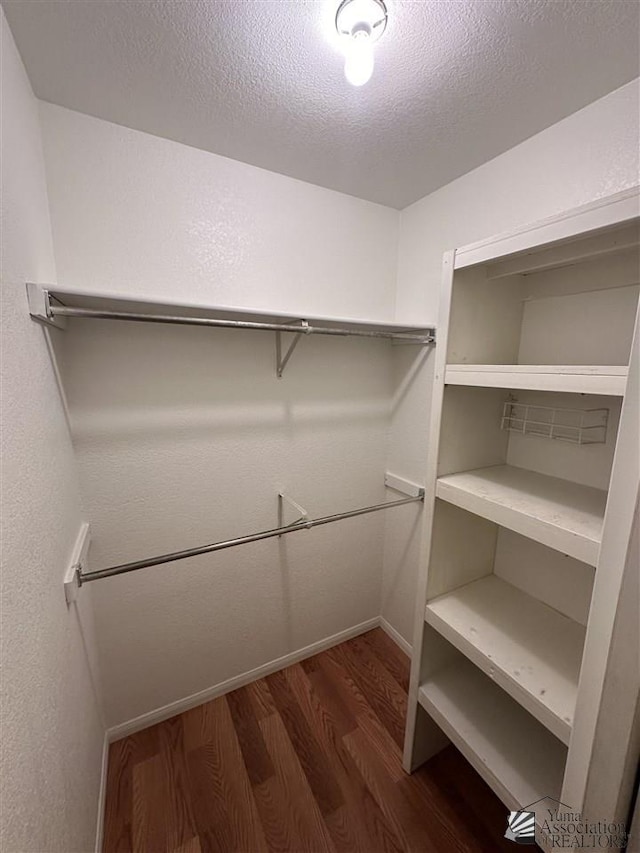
(360,23)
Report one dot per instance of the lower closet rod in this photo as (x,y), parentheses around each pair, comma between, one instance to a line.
(241,540)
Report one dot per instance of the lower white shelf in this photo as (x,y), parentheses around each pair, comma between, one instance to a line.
(528,648)
(562,515)
(518,758)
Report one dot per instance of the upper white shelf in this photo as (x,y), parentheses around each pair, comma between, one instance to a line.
(614,212)
(563,515)
(610,380)
(52,304)
(527,647)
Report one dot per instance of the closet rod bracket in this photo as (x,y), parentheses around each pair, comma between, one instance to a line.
(281,361)
(39,299)
(73,575)
(303,515)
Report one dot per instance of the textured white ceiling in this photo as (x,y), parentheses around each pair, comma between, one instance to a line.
(456,81)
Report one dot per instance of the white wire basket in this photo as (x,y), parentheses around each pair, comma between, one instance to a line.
(577,426)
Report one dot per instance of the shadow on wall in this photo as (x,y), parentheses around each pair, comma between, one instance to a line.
(403,560)
(408,368)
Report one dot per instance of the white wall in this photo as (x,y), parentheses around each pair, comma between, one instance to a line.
(590,154)
(183,436)
(138,215)
(52,735)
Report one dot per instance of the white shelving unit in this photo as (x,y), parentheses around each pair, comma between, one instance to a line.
(526,540)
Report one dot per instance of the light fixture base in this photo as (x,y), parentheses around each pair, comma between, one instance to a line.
(360,16)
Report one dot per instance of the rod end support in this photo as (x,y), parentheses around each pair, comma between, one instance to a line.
(73,575)
(39,299)
(72,583)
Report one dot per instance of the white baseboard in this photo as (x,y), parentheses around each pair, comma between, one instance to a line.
(397,638)
(181,705)
(102,795)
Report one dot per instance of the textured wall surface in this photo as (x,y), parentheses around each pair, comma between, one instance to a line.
(455,84)
(593,153)
(183,436)
(52,735)
(159,219)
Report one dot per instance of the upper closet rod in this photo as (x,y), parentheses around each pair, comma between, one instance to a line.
(303,328)
(85,577)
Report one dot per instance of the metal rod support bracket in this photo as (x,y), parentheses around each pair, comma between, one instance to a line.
(39,299)
(73,576)
(281,362)
(399,341)
(303,514)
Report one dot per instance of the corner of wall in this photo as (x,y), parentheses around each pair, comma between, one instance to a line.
(52,730)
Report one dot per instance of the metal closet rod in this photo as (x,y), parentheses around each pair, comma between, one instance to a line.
(303,328)
(85,577)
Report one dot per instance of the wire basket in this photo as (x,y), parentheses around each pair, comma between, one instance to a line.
(577,426)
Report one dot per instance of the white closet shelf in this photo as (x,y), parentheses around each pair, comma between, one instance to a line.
(519,759)
(42,297)
(570,378)
(563,515)
(530,650)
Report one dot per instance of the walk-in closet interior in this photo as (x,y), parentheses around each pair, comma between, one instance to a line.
(320,426)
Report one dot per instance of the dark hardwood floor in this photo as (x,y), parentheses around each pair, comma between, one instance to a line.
(307,759)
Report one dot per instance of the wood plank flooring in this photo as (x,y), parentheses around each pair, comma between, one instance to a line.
(307,759)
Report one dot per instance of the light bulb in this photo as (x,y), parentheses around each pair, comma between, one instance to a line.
(358,66)
(360,23)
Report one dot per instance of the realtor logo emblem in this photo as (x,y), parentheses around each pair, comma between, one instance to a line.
(521,827)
